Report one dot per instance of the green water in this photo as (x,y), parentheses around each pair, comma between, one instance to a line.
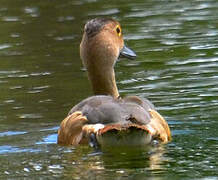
(41,78)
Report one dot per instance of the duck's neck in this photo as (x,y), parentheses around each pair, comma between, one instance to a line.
(103,81)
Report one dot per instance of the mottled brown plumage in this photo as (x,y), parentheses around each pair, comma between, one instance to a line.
(112,120)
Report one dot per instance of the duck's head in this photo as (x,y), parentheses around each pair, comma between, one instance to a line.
(102,44)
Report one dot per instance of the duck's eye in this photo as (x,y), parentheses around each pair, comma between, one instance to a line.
(118,30)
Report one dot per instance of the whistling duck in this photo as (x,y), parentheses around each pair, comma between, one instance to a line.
(106,119)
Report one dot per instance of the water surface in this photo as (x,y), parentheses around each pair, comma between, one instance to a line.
(41,78)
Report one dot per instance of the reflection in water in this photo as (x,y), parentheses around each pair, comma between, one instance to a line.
(115,162)
(134,157)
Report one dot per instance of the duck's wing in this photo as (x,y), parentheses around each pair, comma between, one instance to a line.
(70,131)
(142,124)
(156,125)
(95,111)
(160,126)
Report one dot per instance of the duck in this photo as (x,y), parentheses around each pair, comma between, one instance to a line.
(107,119)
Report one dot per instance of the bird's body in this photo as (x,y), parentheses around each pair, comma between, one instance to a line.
(107,110)
(106,119)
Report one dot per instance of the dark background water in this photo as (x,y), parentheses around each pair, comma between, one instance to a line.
(41,78)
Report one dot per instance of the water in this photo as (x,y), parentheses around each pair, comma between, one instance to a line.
(41,78)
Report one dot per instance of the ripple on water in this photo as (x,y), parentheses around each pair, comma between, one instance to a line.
(4,46)
(62,38)
(3,73)
(106,12)
(30,116)
(32,11)
(205,46)
(12,149)
(215,139)
(9,101)
(22,74)
(15,35)
(182,132)
(50,139)
(38,89)
(196,60)
(11,19)
(12,133)
(16,87)
(55,168)
(40,73)
(65,18)
(18,75)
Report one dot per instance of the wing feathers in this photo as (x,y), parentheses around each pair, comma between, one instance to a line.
(70,131)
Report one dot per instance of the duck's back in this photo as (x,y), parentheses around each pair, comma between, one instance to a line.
(107,110)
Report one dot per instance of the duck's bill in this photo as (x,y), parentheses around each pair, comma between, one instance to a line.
(127,52)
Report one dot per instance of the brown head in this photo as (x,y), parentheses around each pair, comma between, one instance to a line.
(101,46)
